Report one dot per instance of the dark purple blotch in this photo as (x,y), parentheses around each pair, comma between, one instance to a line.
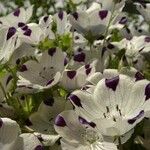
(133,120)
(21,24)
(49,101)
(147,92)
(123,20)
(59,121)
(147,39)
(75,15)
(28,32)
(61,15)
(79,57)
(1,122)
(85,122)
(49,82)
(23,68)
(17,12)
(103,14)
(39,147)
(11,32)
(45,19)
(52,51)
(71,74)
(75,100)
(139,76)
(112,83)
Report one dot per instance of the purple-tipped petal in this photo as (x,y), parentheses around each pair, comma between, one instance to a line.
(16,12)
(71,74)
(75,15)
(147,39)
(123,20)
(49,101)
(45,19)
(9,79)
(79,57)
(75,100)
(21,24)
(61,15)
(49,82)
(52,51)
(1,122)
(28,32)
(112,83)
(25,28)
(23,68)
(133,120)
(103,14)
(11,32)
(39,147)
(85,122)
(147,92)
(139,76)
(59,121)
(88,71)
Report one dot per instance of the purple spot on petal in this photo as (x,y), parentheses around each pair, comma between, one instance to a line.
(133,120)
(85,122)
(110,46)
(103,14)
(60,15)
(79,57)
(21,24)
(147,39)
(112,83)
(28,32)
(49,82)
(52,51)
(9,79)
(88,71)
(139,76)
(28,122)
(39,147)
(147,92)
(75,15)
(1,122)
(11,32)
(17,12)
(71,74)
(123,20)
(87,66)
(59,121)
(45,19)
(49,101)
(75,100)
(24,28)
(23,68)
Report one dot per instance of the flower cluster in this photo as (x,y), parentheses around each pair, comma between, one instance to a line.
(78,79)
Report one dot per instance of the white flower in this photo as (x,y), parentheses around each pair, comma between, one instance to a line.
(144,9)
(15,30)
(36,76)
(79,134)
(115,104)
(42,121)
(12,139)
(75,78)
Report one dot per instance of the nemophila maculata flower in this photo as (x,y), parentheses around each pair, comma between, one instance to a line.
(111,104)
(12,139)
(136,50)
(144,9)
(16,30)
(76,78)
(36,76)
(79,134)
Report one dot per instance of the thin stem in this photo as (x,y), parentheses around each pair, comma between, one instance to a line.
(120,145)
